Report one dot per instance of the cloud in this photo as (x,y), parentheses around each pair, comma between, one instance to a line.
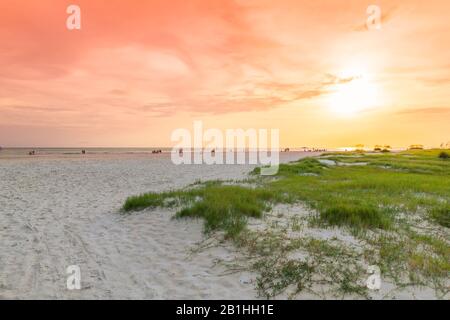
(118,92)
(258,96)
(436,81)
(36,42)
(424,111)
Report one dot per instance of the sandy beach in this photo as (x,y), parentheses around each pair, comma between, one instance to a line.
(62,210)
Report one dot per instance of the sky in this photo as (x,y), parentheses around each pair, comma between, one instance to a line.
(138,70)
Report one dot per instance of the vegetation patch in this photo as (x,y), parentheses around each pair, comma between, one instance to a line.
(444,155)
(441,215)
(356,216)
(375,202)
(224,207)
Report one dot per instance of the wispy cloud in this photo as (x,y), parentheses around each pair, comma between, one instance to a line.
(424,111)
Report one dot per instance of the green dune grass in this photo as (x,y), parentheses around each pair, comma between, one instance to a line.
(380,201)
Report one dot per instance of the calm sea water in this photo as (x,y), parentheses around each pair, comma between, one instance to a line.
(51,152)
(69,153)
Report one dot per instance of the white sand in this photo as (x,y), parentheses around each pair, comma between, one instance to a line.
(56,212)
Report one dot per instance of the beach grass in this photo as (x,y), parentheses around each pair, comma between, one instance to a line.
(224,207)
(397,204)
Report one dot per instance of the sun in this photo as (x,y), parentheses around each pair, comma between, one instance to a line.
(354,94)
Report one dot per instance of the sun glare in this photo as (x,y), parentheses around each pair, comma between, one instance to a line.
(359,93)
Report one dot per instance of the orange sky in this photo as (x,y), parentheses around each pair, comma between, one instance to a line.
(137,70)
